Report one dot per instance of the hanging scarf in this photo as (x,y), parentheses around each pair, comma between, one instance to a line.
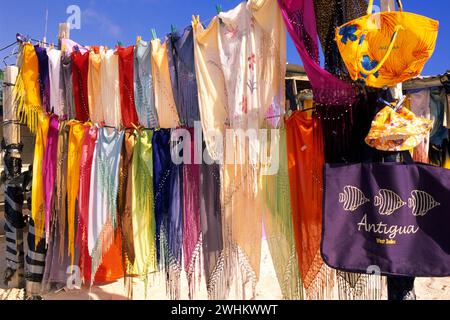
(211,221)
(80,70)
(76,136)
(61,185)
(192,242)
(164,101)
(96,106)
(168,210)
(331,14)
(279,228)
(211,85)
(143,85)
(126,78)
(143,216)
(67,86)
(306,159)
(26,91)
(180,53)
(124,201)
(37,192)
(49,170)
(300,21)
(54,64)
(103,196)
(87,153)
(44,77)
(110,90)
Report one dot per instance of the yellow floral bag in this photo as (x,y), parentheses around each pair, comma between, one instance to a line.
(397,130)
(385,48)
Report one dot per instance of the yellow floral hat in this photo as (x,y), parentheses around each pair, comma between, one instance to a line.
(397,130)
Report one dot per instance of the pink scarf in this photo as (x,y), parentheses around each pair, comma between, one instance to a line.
(300,20)
(49,170)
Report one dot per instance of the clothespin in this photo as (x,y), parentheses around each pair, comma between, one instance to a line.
(173,28)
(119,43)
(138,39)
(154,36)
(195,20)
(218,8)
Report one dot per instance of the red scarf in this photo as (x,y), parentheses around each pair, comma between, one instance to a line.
(126,78)
(80,70)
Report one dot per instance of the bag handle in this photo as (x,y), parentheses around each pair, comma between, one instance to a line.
(370,6)
(386,56)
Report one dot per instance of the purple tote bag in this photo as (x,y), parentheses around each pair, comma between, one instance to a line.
(392,216)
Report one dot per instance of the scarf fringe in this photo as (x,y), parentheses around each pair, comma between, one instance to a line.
(194,268)
(102,246)
(27,114)
(354,286)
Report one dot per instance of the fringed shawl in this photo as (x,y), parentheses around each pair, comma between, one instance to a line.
(143,85)
(80,69)
(26,91)
(49,171)
(76,137)
(110,91)
(103,195)
(180,53)
(67,86)
(37,192)
(164,101)
(126,79)
(143,215)
(54,64)
(279,227)
(168,210)
(300,21)
(44,77)
(96,106)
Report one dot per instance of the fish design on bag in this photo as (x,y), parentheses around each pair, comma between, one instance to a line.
(421,202)
(388,201)
(352,198)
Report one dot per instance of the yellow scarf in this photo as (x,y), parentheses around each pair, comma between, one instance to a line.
(37,192)
(76,134)
(26,90)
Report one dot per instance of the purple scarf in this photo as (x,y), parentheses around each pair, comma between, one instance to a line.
(49,170)
(300,20)
(44,77)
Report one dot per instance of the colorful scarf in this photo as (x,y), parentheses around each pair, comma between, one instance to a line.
(168,210)
(76,136)
(103,196)
(164,101)
(124,200)
(49,171)
(143,85)
(192,242)
(80,70)
(26,91)
(211,221)
(180,53)
(110,90)
(87,153)
(305,160)
(143,216)
(212,94)
(37,192)
(61,186)
(54,64)
(126,78)
(279,227)
(44,77)
(300,21)
(96,106)
(67,87)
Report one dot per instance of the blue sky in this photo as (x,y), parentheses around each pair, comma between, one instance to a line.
(108,21)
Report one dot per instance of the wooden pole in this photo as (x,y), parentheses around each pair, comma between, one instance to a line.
(64,32)
(11,131)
